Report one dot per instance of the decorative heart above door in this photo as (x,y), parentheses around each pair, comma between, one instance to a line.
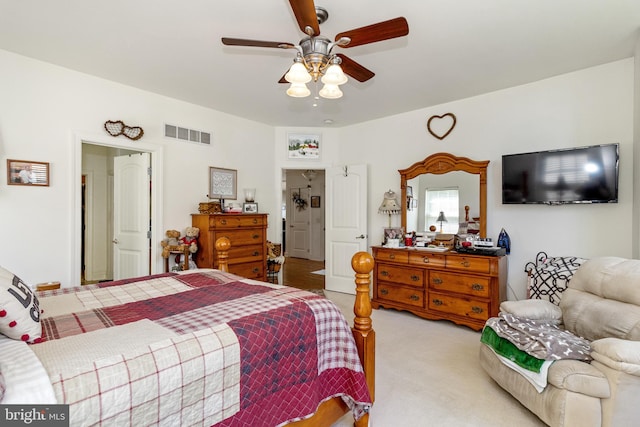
(119,128)
(442,126)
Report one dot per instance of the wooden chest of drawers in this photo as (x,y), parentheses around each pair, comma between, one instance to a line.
(466,289)
(248,236)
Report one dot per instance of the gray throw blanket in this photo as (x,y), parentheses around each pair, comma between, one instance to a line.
(540,339)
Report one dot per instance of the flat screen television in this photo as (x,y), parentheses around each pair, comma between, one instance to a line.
(573,175)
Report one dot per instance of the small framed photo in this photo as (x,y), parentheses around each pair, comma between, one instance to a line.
(27,172)
(393,234)
(303,146)
(250,207)
(315,201)
(223,183)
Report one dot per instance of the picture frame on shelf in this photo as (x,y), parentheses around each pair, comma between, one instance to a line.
(250,208)
(223,183)
(27,172)
(315,201)
(303,146)
(394,233)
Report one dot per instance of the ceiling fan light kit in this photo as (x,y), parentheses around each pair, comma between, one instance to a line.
(315,59)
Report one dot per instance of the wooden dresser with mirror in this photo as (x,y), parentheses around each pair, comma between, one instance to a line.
(466,289)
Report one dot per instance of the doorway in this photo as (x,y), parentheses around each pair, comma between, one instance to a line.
(303,226)
(85,210)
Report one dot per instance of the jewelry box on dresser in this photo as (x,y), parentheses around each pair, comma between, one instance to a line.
(434,284)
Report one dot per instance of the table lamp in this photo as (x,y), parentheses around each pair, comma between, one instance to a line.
(441,219)
(389,205)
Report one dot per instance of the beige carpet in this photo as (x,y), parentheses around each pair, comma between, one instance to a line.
(428,374)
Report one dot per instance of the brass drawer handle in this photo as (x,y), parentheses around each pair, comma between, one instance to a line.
(256,253)
(223,221)
(255,220)
(392,256)
(384,291)
(477,310)
(384,273)
(414,298)
(477,287)
(415,278)
(465,263)
(425,260)
(437,281)
(255,236)
(256,270)
(437,302)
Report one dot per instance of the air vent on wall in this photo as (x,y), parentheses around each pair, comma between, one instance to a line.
(191,135)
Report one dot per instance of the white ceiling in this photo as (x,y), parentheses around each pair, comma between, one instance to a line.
(455,49)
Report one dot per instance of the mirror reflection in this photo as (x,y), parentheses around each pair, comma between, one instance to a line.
(429,194)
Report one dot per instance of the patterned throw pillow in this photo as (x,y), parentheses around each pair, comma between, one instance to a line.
(19,310)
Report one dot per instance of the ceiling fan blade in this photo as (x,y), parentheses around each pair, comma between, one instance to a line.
(257,43)
(385,30)
(305,12)
(355,70)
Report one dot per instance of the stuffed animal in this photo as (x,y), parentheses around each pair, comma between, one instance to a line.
(190,239)
(172,239)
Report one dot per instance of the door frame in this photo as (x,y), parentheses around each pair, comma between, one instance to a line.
(157,156)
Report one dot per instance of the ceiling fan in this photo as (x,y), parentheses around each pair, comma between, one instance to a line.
(316,60)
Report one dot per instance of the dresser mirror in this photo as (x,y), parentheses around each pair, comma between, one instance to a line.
(444,170)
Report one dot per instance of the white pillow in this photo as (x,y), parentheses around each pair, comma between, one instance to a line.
(534,309)
(19,309)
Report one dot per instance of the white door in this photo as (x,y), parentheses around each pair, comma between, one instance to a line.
(298,223)
(131,215)
(346,224)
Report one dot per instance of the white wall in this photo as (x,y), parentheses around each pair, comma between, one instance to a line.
(43,106)
(636,155)
(592,106)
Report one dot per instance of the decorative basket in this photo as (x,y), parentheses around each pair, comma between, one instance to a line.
(210,208)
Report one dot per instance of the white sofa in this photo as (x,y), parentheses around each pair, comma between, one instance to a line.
(602,305)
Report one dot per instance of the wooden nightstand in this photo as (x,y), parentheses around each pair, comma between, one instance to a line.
(47,286)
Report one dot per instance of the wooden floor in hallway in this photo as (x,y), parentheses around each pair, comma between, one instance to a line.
(298,273)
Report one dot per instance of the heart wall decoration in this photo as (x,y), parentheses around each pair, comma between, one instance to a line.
(119,128)
(441,126)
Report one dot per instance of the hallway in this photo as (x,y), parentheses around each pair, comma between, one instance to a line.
(297,273)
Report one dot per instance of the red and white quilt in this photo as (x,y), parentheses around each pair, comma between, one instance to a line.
(200,347)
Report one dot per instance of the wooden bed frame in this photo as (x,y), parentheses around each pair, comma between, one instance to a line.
(333,409)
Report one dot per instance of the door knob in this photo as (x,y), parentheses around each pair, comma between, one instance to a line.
(362,236)
(115,241)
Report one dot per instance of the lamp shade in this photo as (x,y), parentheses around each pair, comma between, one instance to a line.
(298,90)
(330,91)
(389,204)
(334,75)
(441,217)
(298,73)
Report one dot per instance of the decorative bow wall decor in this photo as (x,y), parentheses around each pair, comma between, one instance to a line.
(443,126)
(119,128)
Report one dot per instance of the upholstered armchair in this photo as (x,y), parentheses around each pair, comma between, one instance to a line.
(602,305)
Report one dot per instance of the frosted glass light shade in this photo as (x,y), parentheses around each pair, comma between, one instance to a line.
(334,75)
(298,90)
(330,92)
(297,74)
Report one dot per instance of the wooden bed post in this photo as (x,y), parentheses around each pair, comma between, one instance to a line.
(222,247)
(363,333)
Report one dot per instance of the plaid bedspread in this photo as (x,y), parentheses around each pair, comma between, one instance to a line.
(197,348)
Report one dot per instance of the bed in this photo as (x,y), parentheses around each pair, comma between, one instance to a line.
(199,347)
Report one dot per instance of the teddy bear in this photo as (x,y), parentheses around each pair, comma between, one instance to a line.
(190,239)
(172,239)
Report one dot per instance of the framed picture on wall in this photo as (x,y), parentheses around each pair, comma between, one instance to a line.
(315,201)
(223,183)
(27,172)
(303,146)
